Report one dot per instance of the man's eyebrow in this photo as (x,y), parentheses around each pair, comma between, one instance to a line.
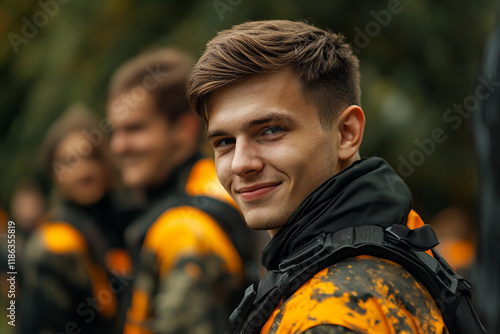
(215,133)
(269,118)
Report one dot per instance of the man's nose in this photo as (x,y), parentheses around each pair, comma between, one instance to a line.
(246,158)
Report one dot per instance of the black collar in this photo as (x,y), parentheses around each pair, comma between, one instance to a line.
(369,192)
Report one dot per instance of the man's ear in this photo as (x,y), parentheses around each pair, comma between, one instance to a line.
(351,124)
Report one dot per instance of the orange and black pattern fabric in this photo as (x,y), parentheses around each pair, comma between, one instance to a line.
(362,295)
(76,269)
(65,287)
(190,273)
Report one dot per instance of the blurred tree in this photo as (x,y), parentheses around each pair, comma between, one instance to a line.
(418,59)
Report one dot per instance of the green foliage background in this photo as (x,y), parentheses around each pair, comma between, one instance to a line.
(415,68)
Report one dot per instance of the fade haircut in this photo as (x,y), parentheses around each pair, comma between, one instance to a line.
(325,65)
(160,74)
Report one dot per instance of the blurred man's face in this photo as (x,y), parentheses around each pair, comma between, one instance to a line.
(271,151)
(84,179)
(143,142)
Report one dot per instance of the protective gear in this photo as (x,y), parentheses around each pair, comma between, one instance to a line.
(326,240)
(76,269)
(195,260)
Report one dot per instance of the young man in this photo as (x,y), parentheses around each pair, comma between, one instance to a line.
(192,240)
(281,101)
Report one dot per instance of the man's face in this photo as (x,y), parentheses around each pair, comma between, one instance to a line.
(143,142)
(271,151)
(85,180)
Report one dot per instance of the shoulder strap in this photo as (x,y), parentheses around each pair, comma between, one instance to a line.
(398,243)
(451,292)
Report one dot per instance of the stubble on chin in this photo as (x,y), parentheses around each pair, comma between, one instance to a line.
(266,222)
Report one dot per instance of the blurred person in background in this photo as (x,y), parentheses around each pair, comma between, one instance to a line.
(457,239)
(191,248)
(27,208)
(27,204)
(75,265)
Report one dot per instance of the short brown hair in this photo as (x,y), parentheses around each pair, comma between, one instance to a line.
(168,68)
(324,63)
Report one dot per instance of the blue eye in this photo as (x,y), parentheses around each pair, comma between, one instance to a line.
(273,130)
(224,142)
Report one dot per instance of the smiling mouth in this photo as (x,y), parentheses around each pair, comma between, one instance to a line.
(130,160)
(256,192)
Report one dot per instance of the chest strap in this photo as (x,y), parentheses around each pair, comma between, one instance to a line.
(397,243)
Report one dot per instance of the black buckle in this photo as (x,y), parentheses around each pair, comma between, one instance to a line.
(420,239)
